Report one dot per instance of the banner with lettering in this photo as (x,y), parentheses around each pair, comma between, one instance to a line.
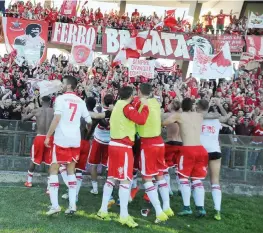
(138,67)
(236,43)
(28,37)
(255,21)
(69,34)
(255,45)
(170,45)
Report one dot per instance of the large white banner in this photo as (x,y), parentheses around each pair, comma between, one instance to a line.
(213,66)
(139,67)
(255,21)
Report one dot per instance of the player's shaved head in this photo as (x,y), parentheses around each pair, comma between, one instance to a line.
(46,99)
(146,89)
(203,105)
(108,100)
(90,103)
(125,93)
(187,105)
(70,80)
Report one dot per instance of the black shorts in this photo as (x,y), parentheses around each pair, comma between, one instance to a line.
(214,155)
(174,143)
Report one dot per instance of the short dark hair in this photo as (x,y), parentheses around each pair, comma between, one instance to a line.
(108,99)
(90,103)
(146,89)
(203,105)
(125,92)
(71,81)
(31,26)
(46,99)
(187,105)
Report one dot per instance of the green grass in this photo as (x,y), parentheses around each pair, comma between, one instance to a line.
(23,210)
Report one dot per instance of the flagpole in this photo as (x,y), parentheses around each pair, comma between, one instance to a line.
(249,14)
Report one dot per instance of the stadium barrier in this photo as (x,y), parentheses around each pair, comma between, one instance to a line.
(240,154)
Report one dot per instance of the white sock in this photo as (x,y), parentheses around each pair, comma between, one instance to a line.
(167,178)
(94,185)
(107,191)
(164,191)
(152,193)
(30,176)
(155,183)
(198,193)
(124,194)
(72,189)
(217,196)
(48,183)
(53,190)
(64,174)
(79,181)
(186,191)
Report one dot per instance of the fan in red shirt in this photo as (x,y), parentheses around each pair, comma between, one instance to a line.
(38,9)
(208,19)
(52,16)
(98,15)
(190,81)
(135,14)
(221,21)
(253,101)
(91,15)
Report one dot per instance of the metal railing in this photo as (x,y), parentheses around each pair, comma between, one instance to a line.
(239,153)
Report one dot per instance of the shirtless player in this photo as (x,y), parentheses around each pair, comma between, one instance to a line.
(40,153)
(193,159)
(173,143)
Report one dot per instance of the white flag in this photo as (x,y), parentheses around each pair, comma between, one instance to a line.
(213,66)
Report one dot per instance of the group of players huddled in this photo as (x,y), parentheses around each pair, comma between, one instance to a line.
(127,140)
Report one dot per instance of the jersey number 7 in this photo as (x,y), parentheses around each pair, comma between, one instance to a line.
(74,107)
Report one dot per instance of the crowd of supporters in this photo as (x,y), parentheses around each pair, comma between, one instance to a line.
(136,20)
(241,97)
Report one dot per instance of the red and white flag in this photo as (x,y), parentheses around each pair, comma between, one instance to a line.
(255,45)
(81,54)
(132,48)
(69,8)
(249,60)
(213,66)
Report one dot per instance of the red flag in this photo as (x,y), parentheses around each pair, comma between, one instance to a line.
(170,13)
(69,8)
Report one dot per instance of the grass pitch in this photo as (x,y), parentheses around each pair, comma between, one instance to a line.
(22,210)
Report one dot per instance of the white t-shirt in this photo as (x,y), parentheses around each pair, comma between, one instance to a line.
(102,134)
(210,134)
(71,108)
